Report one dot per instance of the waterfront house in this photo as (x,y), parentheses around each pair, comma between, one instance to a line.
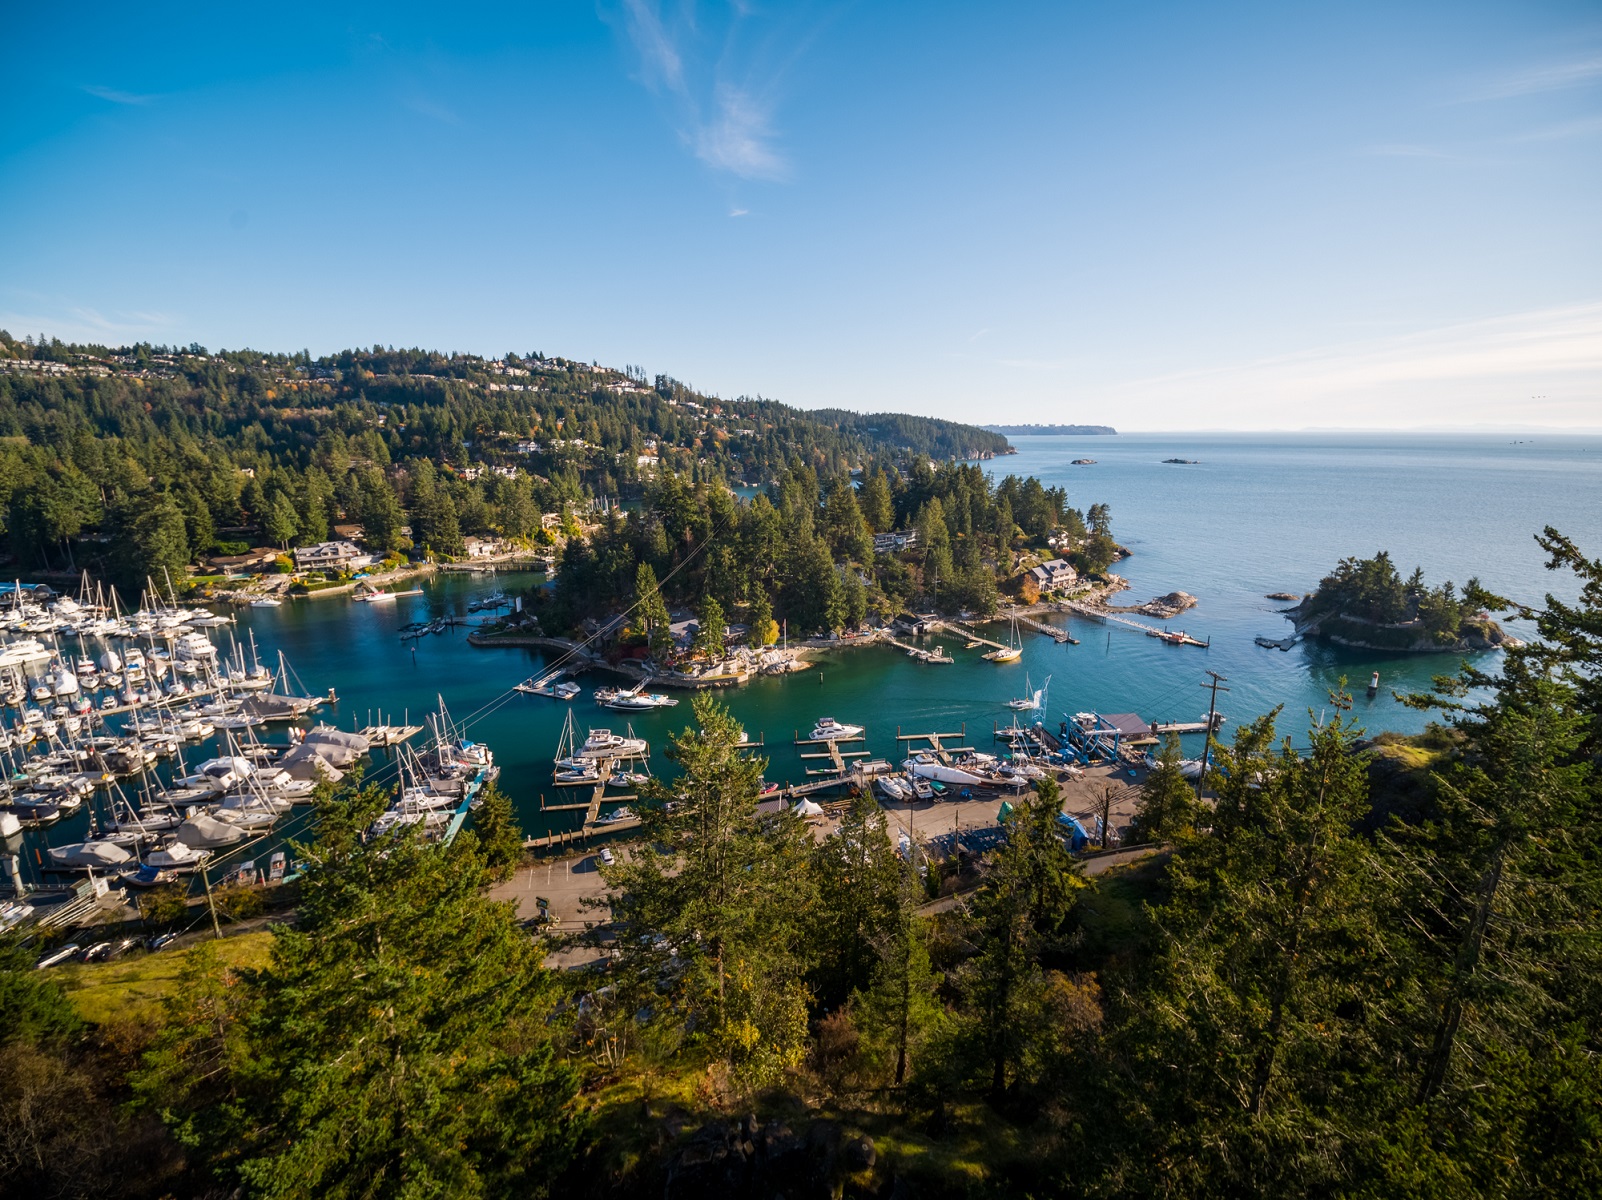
(1055,576)
(477,547)
(326,556)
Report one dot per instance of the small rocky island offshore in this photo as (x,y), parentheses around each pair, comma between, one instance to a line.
(1366,603)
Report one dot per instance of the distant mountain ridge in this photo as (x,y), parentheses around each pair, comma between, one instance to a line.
(1026,430)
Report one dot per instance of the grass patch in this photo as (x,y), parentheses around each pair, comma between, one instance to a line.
(132,986)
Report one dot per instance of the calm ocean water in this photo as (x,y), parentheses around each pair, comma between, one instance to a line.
(1258,514)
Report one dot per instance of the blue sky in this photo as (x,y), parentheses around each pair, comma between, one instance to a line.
(1163,216)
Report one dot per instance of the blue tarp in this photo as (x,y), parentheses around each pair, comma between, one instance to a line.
(1078,839)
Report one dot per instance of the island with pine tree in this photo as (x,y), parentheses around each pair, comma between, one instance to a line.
(1366,604)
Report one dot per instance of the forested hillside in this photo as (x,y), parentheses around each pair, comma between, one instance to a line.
(144,457)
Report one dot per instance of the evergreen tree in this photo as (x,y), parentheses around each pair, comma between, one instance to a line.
(1017,917)
(709,637)
(844,527)
(279,523)
(151,542)
(876,503)
(395,1044)
(1241,1039)
(1168,806)
(859,884)
(715,905)
(499,834)
(651,612)
(763,630)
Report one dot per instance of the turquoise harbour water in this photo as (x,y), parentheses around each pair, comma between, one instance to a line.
(1258,514)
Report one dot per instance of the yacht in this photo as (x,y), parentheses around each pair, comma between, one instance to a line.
(632,700)
(195,647)
(829,730)
(603,743)
(266,602)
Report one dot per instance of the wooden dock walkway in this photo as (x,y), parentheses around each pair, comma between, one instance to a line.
(1185,726)
(1086,610)
(936,742)
(965,632)
(937,655)
(1054,632)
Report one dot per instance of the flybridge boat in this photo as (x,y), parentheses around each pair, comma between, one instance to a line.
(632,700)
(829,730)
(603,743)
(195,647)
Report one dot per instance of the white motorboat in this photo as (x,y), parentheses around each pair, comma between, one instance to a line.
(829,730)
(603,743)
(623,779)
(894,788)
(266,602)
(632,700)
(178,856)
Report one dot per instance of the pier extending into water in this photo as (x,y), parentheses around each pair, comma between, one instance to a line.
(1178,639)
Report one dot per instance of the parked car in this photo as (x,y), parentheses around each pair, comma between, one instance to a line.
(61,955)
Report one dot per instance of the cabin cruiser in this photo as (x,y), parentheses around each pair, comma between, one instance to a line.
(266,602)
(251,802)
(623,779)
(219,774)
(569,771)
(829,730)
(895,788)
(603,743)
(632,700)
(178,856)
(194,646)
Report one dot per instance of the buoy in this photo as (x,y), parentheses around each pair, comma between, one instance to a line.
(1373,685)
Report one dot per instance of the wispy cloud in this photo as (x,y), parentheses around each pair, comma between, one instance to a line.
(1548,77)
(1476,370)
(435,111)
(720,77)
(658,55)
(739,212)
(113,96)
(739,138)
(86,324)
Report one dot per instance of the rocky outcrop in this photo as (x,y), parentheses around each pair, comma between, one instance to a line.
(746,1160)
(1407,637)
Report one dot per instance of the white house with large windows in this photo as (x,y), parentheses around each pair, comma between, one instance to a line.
(1055,576)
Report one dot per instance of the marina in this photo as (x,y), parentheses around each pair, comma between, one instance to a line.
(356,651)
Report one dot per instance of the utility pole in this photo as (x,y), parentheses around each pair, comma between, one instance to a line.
(1212,721)
(205,877)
